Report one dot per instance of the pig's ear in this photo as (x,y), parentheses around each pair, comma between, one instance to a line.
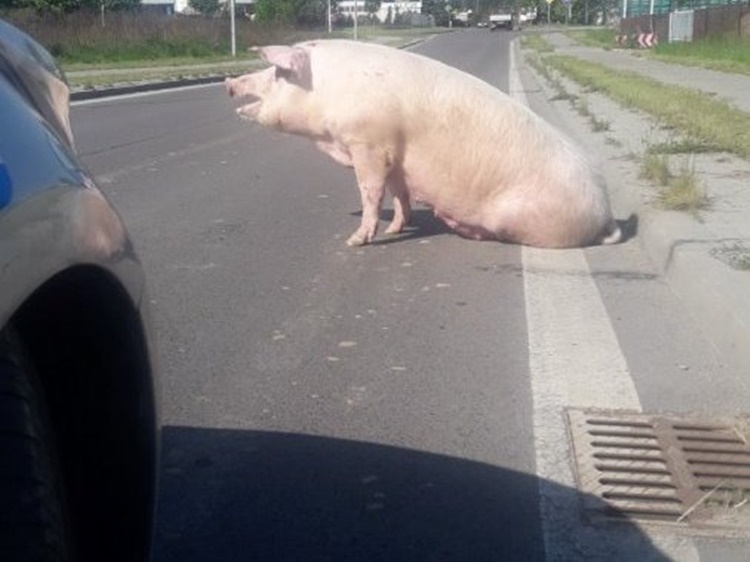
(294,60)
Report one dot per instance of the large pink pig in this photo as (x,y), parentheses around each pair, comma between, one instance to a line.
(488,166)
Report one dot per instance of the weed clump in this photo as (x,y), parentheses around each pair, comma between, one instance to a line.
(681,191)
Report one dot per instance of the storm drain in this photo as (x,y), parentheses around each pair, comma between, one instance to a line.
(663,469)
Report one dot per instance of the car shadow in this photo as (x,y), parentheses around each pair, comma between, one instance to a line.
(235,495)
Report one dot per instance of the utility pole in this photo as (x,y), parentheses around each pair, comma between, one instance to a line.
(234,31)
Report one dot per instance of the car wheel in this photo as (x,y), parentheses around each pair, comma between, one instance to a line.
(32,523)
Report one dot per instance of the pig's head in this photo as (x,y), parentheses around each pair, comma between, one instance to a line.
(278,93)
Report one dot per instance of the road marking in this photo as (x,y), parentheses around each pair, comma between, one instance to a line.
(576,341)
(575,360)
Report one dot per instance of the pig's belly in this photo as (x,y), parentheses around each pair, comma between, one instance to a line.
(467,230)
(456,218)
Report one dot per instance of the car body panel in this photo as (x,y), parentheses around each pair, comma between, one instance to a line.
(72,288)
(47,200)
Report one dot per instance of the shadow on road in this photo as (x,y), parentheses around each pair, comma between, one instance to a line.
(230,495)
(424,224)
(629,227)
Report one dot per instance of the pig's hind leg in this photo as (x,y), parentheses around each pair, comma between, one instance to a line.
(401,206)
(372,166)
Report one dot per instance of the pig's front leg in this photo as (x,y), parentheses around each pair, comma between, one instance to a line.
(401,206)
(372,166)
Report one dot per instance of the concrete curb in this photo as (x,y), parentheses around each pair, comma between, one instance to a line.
(144,87)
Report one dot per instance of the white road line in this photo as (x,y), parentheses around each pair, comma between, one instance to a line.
(577,343)
(575,360)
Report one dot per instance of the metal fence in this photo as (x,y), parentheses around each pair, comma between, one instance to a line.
(636,8)
(724,20)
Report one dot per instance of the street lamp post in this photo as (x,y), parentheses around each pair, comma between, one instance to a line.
(234,31)
(356,14)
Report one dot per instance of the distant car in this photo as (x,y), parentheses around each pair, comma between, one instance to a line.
(501,21)
(79,427)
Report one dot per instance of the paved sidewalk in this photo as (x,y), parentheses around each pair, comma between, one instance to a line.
(734,88)
(695,256)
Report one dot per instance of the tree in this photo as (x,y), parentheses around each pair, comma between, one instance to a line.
(47,6)
(67,6)
(310,12)
(436,9)
(291,12)
(206,7)
(372,7)
(275,11)
(112,5)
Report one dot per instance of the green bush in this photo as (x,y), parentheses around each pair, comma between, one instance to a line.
(84,37)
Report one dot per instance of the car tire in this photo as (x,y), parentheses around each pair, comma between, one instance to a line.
(32,523)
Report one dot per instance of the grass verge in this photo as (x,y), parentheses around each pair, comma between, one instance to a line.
(655,168)
(692,114)
(684,192)
(167,62)
(104,79)
(726,54)
(536,42)
(603,38)
(718,53)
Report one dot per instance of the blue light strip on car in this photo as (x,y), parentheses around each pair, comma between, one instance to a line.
(6,185)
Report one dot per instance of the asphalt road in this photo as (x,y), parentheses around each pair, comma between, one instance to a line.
(383,403)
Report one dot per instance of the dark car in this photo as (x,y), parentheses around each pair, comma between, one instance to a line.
(78,418)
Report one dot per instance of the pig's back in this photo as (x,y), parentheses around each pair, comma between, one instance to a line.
(431,105)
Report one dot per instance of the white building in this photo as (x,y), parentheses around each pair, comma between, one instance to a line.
(181,6)
(347,8)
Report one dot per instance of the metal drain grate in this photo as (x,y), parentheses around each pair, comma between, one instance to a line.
(663,469)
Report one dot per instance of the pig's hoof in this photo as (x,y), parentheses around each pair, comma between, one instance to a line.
(356,239)
(394,229)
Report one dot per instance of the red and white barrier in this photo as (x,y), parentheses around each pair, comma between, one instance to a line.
(642,40)
(647,40)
